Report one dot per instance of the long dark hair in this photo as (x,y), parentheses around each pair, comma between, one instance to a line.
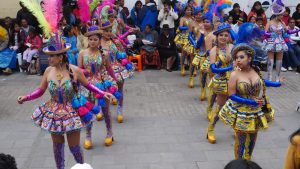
(66,61)
(258,12)
(242,164)
(297,132)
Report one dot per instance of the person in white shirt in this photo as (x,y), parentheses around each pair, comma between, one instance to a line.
(294,49)
(167,16)
(236,26)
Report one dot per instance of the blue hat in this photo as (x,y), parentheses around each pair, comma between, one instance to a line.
(223,27)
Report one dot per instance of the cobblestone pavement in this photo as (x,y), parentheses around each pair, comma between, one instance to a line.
(164,127)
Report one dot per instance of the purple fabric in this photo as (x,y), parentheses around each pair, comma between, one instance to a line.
(111,73)
(93,28)
(107,119)
(35,94)
(59,155)
(77,153)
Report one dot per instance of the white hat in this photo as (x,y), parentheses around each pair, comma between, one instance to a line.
(277,7)
(82,166)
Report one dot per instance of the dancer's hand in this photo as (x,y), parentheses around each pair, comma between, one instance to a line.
(108,96)
(282,80)
(21,99)
(259,101)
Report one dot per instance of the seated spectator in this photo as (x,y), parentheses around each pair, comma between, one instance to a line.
(167,16)
(260,23)
(296,15)
(242,164)
(149,53)
(82,41)
(23,13)
(236,13)
(148,15)
(70,38)
(236,26)
(8,25)
(25,27)
(292,160)
(33,43)
(135,11)
(292,57)
(229,20)
(252,19)
(7,56)
(286,15)
(16,43)
(257,11)
(167,48)
(7,162)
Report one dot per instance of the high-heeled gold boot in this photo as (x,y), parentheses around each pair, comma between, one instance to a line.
(203,94)
(120,118)
(99,117)
(108,141)
(211,134)
(87,144)
(182,70)
(191,82)
(114,101)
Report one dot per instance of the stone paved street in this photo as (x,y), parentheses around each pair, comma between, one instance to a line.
(165,127)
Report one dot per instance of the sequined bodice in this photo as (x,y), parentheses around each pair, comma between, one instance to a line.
(94,65)
(112,51)
(277,29)
(61,93)
(247,90)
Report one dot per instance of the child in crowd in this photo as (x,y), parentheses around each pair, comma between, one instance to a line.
(69,37)
(33,43)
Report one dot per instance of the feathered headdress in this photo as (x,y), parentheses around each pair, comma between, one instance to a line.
(248,32)
(277,7)
(94,5)
(50,18)
(84,10)
(209,10)
(221,5)
(3,33)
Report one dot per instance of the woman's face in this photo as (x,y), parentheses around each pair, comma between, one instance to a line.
(188,11)
(17,28)
(138,6)
(198,17)
(207,24)
(279,17)
(223,37)
(94,41)
(55,60)
(107,33)
(111,18)
(257,6)
(242,60)
(253,19)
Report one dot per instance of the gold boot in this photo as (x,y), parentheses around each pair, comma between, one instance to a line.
(211,134)
(108,141)
(203,94)
(182,70)
(191,82)
(114,101)
(120,118)
(87,144)
(99,116)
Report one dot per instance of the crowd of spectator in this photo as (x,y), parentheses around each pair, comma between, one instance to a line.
(154,40)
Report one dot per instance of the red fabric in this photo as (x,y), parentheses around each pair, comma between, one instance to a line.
(254,14)
(36,41)
(150,58)
(285,19)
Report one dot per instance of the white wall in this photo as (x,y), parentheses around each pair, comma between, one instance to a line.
(9,8)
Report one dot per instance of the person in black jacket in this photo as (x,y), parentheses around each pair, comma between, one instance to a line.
(167,48)
(296,15)
(236,13)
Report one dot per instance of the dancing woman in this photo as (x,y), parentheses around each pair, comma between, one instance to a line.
(121,66)
(99,72)
(248,110)
(221,65)
(57,115)
(182,37)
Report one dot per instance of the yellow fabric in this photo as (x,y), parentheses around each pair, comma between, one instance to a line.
(292,159)
(245,117)
(181,39)
(3,33)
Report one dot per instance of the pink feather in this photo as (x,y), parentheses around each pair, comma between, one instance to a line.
(53,12)
(84,10)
